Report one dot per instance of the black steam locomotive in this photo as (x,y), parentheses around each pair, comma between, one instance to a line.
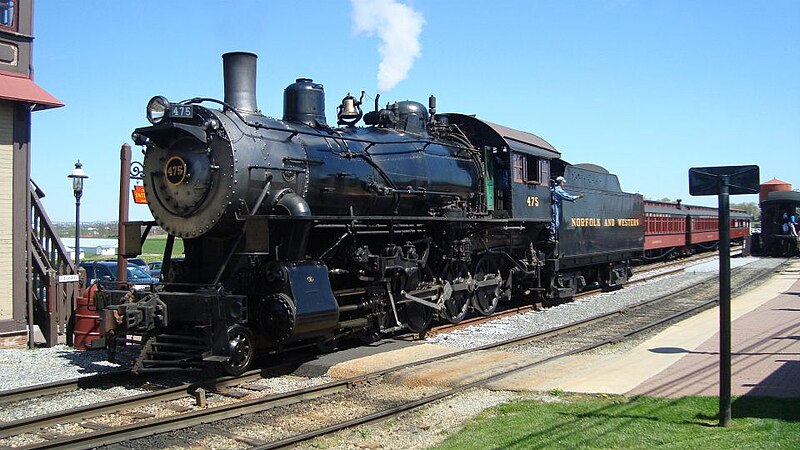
(298,234)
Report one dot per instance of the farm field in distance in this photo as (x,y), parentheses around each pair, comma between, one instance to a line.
(153,248)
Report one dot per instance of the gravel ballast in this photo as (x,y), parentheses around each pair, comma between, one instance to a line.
(27,367)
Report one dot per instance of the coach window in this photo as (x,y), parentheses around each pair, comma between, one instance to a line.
(7,14)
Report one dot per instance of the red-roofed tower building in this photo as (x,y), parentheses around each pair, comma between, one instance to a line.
(772,186)
(19,97)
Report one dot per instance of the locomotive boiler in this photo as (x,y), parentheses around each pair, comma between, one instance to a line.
(297,233)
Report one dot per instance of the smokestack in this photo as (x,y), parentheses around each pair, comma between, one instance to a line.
(239,74)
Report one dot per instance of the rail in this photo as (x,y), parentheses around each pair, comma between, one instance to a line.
(53,302)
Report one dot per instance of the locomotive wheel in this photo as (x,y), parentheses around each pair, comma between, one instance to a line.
(416,317)
(605,284)
(485,299)
(457,306)
(241,343)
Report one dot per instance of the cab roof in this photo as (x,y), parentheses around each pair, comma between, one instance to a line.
(484,133)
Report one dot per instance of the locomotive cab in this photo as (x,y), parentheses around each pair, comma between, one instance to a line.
(516,167)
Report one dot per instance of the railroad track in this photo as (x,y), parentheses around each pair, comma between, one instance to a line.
(60,387)
(160,395)
(600,328)
(35,423)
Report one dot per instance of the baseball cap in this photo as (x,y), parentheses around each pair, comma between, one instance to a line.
(560,179)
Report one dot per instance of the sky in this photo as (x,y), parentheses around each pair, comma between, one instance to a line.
(646,89)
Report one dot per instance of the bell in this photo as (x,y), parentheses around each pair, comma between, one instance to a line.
(349,112)
(348,108)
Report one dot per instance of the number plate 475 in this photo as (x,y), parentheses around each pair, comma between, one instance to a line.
(182,111)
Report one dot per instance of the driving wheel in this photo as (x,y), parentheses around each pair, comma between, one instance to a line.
(457,306)
(485,299)
(415,316)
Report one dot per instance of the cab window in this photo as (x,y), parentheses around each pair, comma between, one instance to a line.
(530,169)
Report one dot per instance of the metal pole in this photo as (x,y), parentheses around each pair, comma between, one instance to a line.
(124,186)
(724,303)
(28,245)
(77,230)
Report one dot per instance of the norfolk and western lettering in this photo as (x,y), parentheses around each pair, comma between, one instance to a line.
(605,222)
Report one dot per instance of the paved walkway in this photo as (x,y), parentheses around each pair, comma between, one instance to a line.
(765,355)
(684,359)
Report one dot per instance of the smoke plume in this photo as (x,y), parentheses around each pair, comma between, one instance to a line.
(398,27)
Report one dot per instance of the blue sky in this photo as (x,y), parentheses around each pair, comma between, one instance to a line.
(646,89)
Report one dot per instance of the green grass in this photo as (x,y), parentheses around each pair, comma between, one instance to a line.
(611,422)
(153,248)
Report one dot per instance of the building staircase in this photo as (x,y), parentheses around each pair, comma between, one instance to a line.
(52,286)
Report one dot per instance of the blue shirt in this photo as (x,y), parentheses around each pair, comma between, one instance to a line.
(560,194)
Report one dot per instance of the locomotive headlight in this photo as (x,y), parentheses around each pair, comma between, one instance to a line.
(157,109)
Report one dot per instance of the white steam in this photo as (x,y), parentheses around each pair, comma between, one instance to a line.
(398,26)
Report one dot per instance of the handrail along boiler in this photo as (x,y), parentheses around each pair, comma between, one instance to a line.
(298,233)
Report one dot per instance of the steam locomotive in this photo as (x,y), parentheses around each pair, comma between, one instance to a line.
(297,233)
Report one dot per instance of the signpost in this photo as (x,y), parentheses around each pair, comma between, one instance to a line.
(139,196)
(68,278)
(723,182)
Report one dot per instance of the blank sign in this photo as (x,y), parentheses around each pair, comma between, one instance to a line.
(706,180)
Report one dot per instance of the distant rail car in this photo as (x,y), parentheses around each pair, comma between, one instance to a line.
(778,234)
(675,229)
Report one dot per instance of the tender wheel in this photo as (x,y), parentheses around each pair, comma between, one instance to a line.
(457,306)
(485,299)
(416,317)
(241,343)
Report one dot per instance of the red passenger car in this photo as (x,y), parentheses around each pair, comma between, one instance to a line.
(675,229)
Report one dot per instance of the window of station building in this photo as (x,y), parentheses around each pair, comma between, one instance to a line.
(530,169)
(7,14)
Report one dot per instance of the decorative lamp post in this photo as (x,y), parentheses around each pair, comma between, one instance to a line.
(78,175)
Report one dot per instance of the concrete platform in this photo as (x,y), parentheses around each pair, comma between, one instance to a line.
(681,360)
(684,359)
(765,352)
(368,358)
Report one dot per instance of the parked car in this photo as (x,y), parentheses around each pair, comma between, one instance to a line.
(139,262)
(107,271)
(156,266)
(155,269)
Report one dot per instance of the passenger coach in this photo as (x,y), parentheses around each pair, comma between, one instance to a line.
(675,229)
